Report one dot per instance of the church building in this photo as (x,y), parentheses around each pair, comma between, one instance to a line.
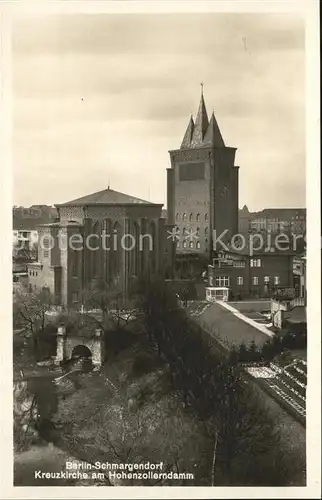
(105,236)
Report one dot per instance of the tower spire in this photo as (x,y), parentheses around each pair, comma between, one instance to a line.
(186,142)
(213,136)
(201,123)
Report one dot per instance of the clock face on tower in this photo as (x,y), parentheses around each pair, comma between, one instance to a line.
(223,191)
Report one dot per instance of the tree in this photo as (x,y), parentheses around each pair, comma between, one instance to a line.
(242,432)
(253,351)
(27,252)
(29,311)
(243,353)
(25,415)
(105,305)
(248,438)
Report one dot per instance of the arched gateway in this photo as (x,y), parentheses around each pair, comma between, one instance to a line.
(69,344)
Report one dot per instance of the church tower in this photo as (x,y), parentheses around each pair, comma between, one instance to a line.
(202,187)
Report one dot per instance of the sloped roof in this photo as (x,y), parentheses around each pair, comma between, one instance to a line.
(296,315)
(188,134)
(201,125)
(213,136)
(107,197)
(201,132)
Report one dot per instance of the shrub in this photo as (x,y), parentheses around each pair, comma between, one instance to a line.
(142,364)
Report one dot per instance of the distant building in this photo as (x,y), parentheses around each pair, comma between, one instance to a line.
(107,236)
(25,222)
(24,239)
(299,276)
(35,211)
(202,190)
(275,220)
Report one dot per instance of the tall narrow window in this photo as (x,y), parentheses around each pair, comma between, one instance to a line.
(240,280)
(190,217)
(75,263)
(276,280)
(255,280)
(153,261)
(206,217)
(198,217)
(184,217)
(198,245)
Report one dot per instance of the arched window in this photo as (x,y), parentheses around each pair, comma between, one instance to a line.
(198,244)
(190,217)
(198,231)
(183,230)
(206,217)
(206,231)
(177,216)
(135,253)
(184,244)
(191,244)
(184,217)
(95,251)
(198,217)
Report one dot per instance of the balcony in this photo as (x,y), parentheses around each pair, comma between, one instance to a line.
(222,263)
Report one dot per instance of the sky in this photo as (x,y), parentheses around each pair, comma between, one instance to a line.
(99,100)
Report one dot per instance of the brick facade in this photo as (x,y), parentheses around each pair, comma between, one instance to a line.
(255,276)
(202,187)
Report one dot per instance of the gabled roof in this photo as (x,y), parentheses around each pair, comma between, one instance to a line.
(188,134)
(201,132)
(107,197)
(213,136)
(201,125)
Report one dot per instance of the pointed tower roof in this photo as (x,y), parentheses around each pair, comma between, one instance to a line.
(186,143)
(201,124)
(213,136)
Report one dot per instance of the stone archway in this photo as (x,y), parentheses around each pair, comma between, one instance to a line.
(67,345)
(81,351)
